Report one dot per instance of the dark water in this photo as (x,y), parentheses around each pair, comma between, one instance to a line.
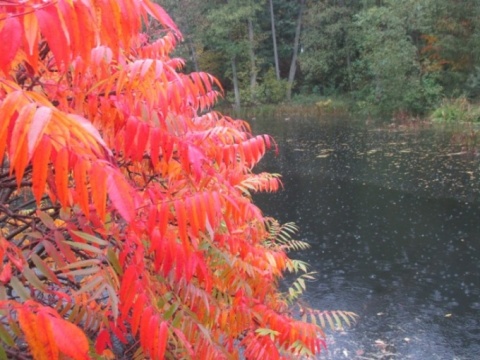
(393,219)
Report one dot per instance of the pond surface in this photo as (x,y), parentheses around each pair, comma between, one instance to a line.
(392,216)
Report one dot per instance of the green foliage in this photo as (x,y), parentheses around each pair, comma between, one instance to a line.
(280,237)
(329,47)
(388,56)
(456,110)
(271,90)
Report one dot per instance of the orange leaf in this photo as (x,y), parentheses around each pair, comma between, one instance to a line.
(138,309)
(18,144)
(7,109)
(201,211)
(30,24)
(87,35)
(41,343)
(39,122)
(41,160)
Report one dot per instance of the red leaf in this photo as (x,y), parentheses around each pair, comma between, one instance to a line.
(181,220)
(196,158)
(193,212)
(103,340)
(159,14)
(141,141)
(162,340)
(145,327)
(152,338)
(138,309)
(99,189)
(61,176)
(155,137)
(70,340)
(80,173)
(130,133)
(6,273)
(122,195)
(10,41)
(52,28)
(163,215)
(127,288)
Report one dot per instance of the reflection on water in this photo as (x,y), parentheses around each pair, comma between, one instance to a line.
(393,219)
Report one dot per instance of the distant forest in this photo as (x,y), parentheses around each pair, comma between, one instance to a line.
(385,55)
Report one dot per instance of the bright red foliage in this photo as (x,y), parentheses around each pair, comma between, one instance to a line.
(127,223)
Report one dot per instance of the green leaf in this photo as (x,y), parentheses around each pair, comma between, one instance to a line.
(21,291)
(6,336)
(46,219)
(85,247)
(44,268)
(171,310)
(81,264)
(114,298)
(83,272)
(90,238)
(91,285)
(3,354)
(330,321)
(33,279)
(267,332)
(113,260)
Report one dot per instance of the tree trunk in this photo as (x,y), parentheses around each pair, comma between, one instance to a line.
(293,65)
(349,70)
(253,69)
(235,83)
(274,38)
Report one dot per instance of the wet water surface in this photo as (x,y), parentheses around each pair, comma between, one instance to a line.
(392,216)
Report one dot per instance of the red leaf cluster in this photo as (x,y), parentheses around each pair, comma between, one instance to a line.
(127,218)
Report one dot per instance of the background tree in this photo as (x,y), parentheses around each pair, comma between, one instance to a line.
(127,225)
(329,47)
(338,53)
(296,46)
(388,57)
(451,35)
